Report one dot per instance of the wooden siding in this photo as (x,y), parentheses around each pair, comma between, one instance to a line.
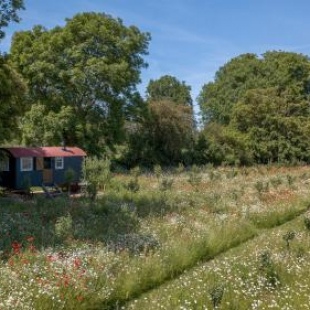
(16,179)
(39,163)
(47,176)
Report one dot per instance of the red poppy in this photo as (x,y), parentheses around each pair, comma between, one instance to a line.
(16,247)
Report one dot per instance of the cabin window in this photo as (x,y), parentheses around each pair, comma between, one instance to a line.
(4,164)
(59,163)
(26,164)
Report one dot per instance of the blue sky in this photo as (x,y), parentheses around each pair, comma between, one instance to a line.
(191,39)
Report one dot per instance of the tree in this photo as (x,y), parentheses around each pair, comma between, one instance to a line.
(8,13)
(287,72)
(263,102)
(43,128)
(169,88)
(218,144)
(164,137)
(276,125)
(12,89)
(92,65)
(231,81)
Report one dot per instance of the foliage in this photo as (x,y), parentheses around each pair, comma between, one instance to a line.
(166,184)
(277,126)
(168,88)
(285,71)
(231,81)
(164,135)
(63,227)
(12,89)
(88,70)
(216,294)
(70,175)
(288,237)
(97,175)
(158,171)
(268,269)
(133,184)
(9,13)
(307,222)
(263,101)
(195,177)
(41,127)
(219,144)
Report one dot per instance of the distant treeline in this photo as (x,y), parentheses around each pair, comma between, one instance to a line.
(78,84)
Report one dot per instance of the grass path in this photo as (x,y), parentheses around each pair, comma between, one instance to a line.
(147,282)
(258,273)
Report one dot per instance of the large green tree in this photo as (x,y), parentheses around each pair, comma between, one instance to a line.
(231,81)
(277,126)
(287,72)
(263,102)
(165,134)
(92,65)
(12,89)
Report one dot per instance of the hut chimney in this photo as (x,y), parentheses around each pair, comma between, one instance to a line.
(63,142)
(63,145)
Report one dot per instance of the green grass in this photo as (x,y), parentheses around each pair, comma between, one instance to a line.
(196,244)
(248,281)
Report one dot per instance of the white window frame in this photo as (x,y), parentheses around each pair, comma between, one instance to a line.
(59,163)
(5,164)
(26,163)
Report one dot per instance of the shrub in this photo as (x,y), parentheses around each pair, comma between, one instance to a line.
(307,223)
(97,175)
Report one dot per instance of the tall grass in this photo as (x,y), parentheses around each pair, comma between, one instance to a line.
(144,232)
(258,274)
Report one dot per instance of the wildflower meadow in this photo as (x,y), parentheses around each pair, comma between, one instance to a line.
(188,238)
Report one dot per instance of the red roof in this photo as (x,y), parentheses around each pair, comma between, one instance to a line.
(47,151)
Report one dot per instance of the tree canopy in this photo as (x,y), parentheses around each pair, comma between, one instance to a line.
(12,89)
(82,88)
(92,65)
(285,71)
(263,102)
(169,88)
(165,133)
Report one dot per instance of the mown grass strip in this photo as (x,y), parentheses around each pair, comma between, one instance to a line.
(173,262)
(261,270)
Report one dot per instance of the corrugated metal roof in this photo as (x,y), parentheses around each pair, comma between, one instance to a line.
(47,151)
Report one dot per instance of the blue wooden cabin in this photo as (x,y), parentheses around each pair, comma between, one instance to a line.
(39,165)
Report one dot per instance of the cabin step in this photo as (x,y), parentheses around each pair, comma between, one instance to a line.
(51,191)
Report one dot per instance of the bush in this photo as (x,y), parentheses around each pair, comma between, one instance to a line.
(97,175)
